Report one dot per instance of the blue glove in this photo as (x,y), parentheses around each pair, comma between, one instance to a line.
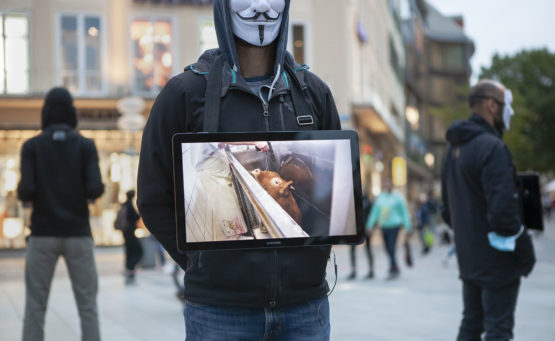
(504,243)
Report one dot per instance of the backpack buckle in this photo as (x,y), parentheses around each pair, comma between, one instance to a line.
(304,120)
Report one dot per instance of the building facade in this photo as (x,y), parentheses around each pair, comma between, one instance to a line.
(437,76)
(103,51)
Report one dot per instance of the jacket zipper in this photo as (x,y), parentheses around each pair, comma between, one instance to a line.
(266,114)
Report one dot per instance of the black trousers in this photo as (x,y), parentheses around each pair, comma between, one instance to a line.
(489,310)
(390,240)
(133,251)
(368,253)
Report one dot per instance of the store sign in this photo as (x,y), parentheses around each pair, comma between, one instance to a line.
(399,171)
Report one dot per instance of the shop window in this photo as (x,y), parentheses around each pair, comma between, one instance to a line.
(152,54)
(81,53)
(14,53)
(208,39)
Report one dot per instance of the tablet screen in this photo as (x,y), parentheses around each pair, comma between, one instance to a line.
(266,191)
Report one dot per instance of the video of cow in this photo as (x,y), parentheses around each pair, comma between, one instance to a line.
(267,190)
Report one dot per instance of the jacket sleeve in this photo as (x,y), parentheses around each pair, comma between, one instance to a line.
(93,180)
(445,214)
(27,183)
(500,191)
(155,194)
(405,213)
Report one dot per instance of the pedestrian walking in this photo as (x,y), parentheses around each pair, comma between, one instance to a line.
(390,213)
(481,203)
(133,249)
(250,83)
(59,173)
(366,207)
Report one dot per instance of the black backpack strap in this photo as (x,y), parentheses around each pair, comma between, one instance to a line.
(212,100)
(305,118)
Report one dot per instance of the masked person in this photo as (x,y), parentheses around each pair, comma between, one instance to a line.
(481,203)
(59,174)
(250,83)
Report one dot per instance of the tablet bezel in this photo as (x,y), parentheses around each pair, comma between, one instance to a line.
(179,197)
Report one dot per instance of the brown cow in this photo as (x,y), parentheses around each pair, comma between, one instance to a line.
(280,190)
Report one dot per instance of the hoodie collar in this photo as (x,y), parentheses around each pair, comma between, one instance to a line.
(485,125)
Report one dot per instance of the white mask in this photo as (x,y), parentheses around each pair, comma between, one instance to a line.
(256,21)
(508,111)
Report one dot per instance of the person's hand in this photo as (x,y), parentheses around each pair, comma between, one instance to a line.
(262,146)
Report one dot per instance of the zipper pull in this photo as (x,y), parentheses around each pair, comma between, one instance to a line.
(265,107)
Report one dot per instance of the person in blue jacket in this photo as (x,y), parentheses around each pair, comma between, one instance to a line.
(390,213)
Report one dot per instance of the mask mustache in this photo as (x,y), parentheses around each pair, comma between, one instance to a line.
(258,14)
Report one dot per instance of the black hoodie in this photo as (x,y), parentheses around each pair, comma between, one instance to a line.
(480,195)
(257,278)
(59,172)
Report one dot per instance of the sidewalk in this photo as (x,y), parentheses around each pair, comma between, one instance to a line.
(423,304)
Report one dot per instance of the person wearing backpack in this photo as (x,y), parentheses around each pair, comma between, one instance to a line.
(250,83)
(59,175)
(127,222)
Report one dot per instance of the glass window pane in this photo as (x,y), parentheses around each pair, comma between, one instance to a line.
(93,81)
(208,38)
(142,54)
(17,54)
(92,43)
(69,44)
(152,54)
(16,25)
(93,63)
(162,54)
(298,43)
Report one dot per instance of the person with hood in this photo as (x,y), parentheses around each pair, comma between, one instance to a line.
(390,213)
(59,174)
(480,191)
(249,83)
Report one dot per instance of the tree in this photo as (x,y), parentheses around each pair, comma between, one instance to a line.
(530,74)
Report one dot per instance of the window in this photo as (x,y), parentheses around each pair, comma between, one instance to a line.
(208,38)
(448,57)
(81,53)
(152,54)
(14,53)
(299,43)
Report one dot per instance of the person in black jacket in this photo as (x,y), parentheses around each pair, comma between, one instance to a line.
(59,173)
(234,293)
(481,203)
(133,249)
(366,208)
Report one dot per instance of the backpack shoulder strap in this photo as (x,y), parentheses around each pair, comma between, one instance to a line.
(305,117)
(211,117)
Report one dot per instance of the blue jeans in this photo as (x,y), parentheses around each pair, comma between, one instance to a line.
(307,321)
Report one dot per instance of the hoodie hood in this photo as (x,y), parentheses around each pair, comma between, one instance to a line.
(58,109)
(226,41)
(461,132)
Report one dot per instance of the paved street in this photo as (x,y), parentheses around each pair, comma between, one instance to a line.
(424,304)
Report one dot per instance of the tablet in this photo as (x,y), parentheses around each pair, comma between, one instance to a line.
(266,189)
